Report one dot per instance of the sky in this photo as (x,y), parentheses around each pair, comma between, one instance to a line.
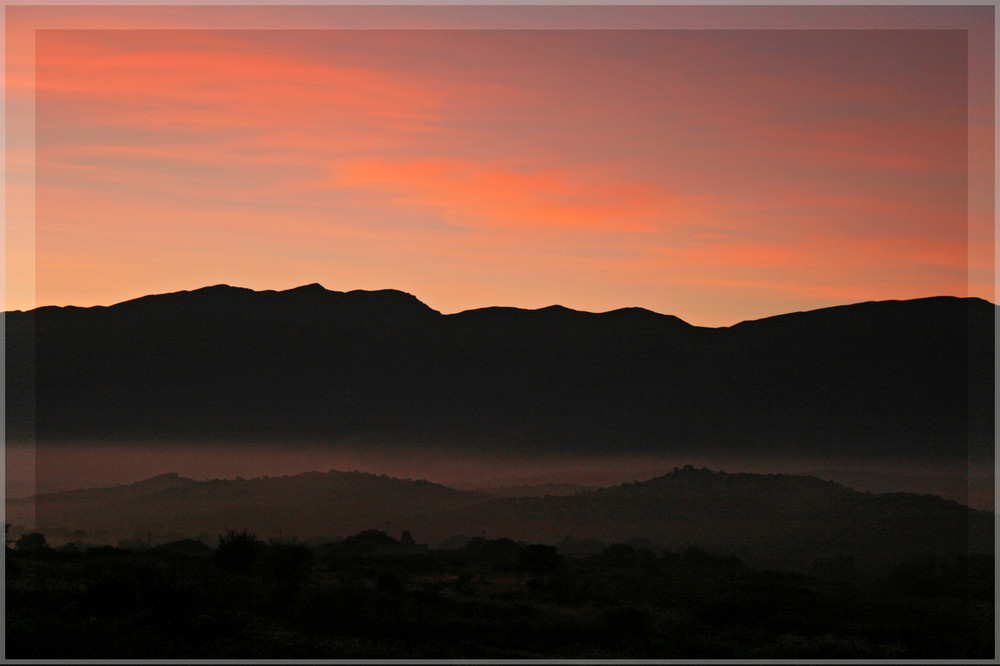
(768,161)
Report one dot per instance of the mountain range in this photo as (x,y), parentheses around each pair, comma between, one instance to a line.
(771,519)
(882,380)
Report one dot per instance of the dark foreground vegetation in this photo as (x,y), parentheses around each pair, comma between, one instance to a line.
(373,596)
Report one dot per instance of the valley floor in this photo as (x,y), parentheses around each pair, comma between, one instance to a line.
(490,599)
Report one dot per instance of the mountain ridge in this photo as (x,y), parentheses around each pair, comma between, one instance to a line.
(782,519)
(168,481)
(315,289)
(307,364)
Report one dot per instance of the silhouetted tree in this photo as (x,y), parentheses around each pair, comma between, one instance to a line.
(361,544)
(618,555)
(696,556)
(374,537)
(72,547)
(407,539)
(670,558)
(32,542)
(641,543)
(132,544)
(237,551)
(539,557)
(390,583)
(185,547)
(840,567)
(287,559)
(13,568)
(501,550)
(924,575)
(626,624)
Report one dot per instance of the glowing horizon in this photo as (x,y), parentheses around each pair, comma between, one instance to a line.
(715,175)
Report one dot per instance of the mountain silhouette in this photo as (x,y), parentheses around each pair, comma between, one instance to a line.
(307,505)
(94,498)
(308,365)
(770,519)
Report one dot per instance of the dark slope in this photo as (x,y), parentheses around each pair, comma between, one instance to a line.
(775,519)
(217,362)
(97,497)
(909,378)
(84,506)
(305,505)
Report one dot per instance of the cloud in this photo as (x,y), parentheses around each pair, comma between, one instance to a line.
(189,80)
(575,158)
(471,192)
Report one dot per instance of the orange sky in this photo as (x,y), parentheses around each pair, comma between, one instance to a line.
(715,174)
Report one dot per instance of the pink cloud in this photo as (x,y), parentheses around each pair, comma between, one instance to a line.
(214,82)
(574,157)
(519,198)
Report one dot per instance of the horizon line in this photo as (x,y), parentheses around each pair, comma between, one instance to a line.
(316,287)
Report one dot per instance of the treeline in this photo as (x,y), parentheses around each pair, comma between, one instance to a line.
(242,550)
(372,595)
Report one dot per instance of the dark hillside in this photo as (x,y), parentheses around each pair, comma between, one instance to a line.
(883,380)
(304,505)
(771,520)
